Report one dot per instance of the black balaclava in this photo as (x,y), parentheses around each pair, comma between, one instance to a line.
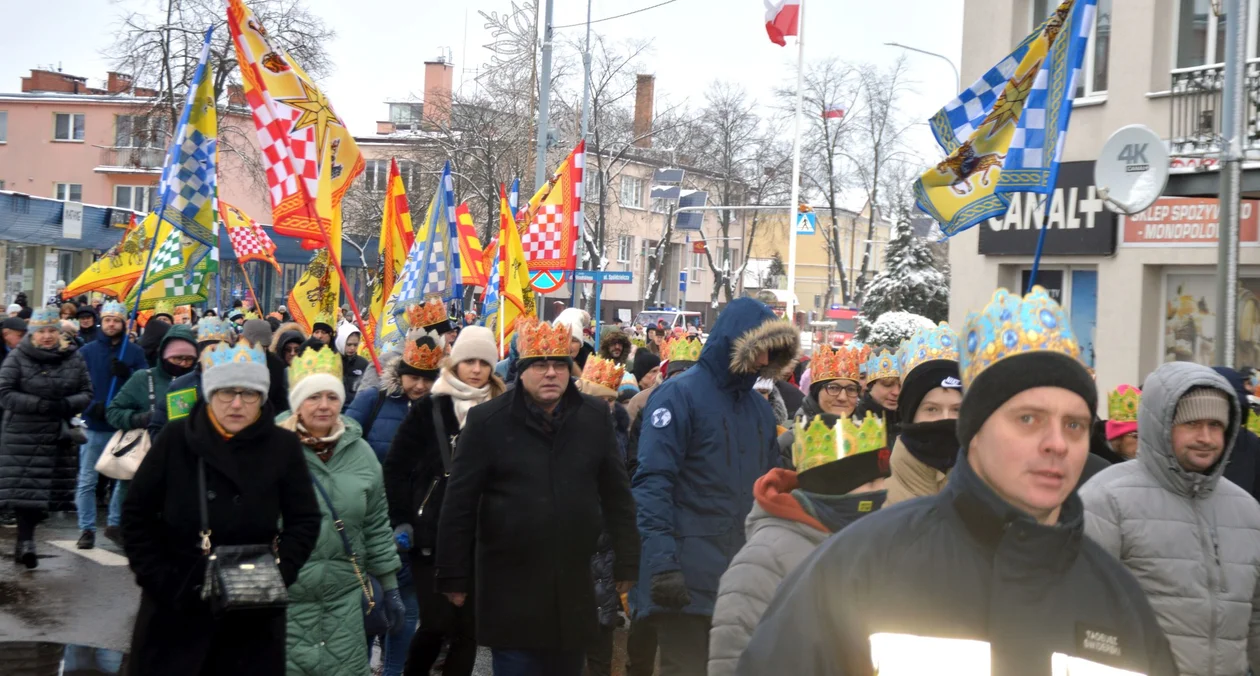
(935,443)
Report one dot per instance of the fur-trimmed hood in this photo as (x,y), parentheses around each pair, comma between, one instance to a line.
(745,328)
(612,337)
(278,336)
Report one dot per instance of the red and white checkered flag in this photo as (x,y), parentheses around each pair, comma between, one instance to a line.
(249,241)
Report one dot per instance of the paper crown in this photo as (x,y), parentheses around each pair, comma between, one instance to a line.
(935,344)
(223,353)
(113,308)
(423,351)
(310,361)
(1122,404)
(603,372)
(1009,326)
(836,364)
(321,318)
(164,307)
(540,340)
(817,443)
(882,365)
(210,328)
(1253,424)
(678,348)
(430,313)
(44,317)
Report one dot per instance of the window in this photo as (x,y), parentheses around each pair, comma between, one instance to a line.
(137,131)
(1201,33)
(4,126)
(660,206)
(1,185)
(142,198)
(698,261)
(406,115)
(1094,68)
(590,191)
(68,127)
(625,244)
(632,192)
(70,192)
(375,175)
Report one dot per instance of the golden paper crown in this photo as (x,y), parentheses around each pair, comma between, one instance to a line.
(430,313)
(678,348)
(817,443)
(938,343)
(1253,423)
(537,339)
(835,364)
(1122,404)
(603,372)
(867,437)
(882,365)
(426,357)
(164,307)
(1009,326)
(311,361)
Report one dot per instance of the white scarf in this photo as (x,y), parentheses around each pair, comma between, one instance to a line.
(463,395)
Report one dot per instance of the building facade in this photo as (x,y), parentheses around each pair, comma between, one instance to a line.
(1139,290)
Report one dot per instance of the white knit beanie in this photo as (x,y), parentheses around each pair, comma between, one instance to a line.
(475,342)
(312,385)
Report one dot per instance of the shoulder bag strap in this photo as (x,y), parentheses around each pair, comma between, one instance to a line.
(444,441)
(345,542)
(376,410)
(152,398)
(201,504)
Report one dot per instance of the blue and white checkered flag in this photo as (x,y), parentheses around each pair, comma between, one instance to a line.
(429,266)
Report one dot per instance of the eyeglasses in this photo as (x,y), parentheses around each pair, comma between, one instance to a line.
(546,366)
(182,359)
(836,389)
(228,396)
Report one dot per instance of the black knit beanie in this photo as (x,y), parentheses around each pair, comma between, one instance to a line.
(644,361)
(1008,377)
(923,379)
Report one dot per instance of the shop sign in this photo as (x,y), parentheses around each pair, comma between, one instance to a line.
(1187,222)
(1079,223)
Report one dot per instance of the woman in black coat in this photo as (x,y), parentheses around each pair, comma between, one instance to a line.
(415,484)
(256,479)
(43,383)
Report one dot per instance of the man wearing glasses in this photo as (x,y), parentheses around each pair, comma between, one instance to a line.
(536,476)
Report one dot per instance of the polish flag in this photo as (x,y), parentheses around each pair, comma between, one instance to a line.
(833,113)
(782,20)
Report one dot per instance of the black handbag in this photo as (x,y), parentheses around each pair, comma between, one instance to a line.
(375,621)
(238,577)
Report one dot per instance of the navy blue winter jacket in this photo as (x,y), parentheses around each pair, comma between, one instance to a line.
(393,410)
(706,439)
(99,355)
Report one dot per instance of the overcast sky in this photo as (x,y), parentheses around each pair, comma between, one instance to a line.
(381,44)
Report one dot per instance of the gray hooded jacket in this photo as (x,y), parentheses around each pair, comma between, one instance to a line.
(1192,540)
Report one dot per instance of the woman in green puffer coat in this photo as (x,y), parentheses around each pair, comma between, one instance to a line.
(325,615)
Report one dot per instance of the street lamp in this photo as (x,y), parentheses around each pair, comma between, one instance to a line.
(957,77)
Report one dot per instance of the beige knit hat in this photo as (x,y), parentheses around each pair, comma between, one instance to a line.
(1203,403)
(475,342)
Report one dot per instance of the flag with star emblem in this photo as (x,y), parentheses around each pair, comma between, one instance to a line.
(295,123)
(1006,132)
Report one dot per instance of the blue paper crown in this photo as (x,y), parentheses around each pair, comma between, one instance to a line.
(880,366)
(1010,326)
(937,343)
(113,308)
(241,353)
(211,328)
(43,317)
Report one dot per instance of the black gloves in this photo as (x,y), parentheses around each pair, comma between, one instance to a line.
(395,611)
(119,369)
(97,411)
(669,590)
(140,419)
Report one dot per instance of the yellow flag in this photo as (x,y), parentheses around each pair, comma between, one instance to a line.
(515,297)
(115,272)
(316,292)
(397,236)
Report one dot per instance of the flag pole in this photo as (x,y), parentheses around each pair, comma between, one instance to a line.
(796,166)
(249,285)
(1041,240)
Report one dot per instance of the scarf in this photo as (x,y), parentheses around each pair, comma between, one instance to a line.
(463,396)
(837,511)
(935,444)
(322,446)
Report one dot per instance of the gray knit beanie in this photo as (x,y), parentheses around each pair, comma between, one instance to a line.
(258,332)
(1203,403)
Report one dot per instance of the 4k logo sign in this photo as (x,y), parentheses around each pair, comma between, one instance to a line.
(1134,157)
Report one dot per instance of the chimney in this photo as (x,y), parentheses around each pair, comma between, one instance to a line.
(385,127)
(644,92)
(437,92)
(117,83)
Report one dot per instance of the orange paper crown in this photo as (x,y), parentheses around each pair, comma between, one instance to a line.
(603,372)
(431,312)
(423,357)
(841,363)
(540,340)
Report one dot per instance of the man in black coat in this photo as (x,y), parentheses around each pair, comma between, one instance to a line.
(1244,460)
(536,476)
(995,572)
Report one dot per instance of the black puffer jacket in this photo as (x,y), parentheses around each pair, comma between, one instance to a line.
(962,564)
(604,562)
(1244,460)
(39,391)
(414,473)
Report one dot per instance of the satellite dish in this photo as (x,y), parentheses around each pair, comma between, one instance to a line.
(1132,169)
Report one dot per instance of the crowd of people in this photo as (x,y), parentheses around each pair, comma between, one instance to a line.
(745,509)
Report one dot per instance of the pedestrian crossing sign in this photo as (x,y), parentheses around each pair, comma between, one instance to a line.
(806,223)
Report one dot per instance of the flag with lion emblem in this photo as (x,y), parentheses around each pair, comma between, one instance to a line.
(1006,132)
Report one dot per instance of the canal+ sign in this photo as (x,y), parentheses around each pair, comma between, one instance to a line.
(1079,222)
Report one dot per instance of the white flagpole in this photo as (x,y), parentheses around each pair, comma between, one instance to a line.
(796,165)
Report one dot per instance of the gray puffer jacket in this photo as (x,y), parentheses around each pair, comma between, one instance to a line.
(1192,540)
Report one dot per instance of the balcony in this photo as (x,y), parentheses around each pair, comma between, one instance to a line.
(131,161)
(1196,107)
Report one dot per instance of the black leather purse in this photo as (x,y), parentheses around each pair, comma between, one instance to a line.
(238,577)
(375,621)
